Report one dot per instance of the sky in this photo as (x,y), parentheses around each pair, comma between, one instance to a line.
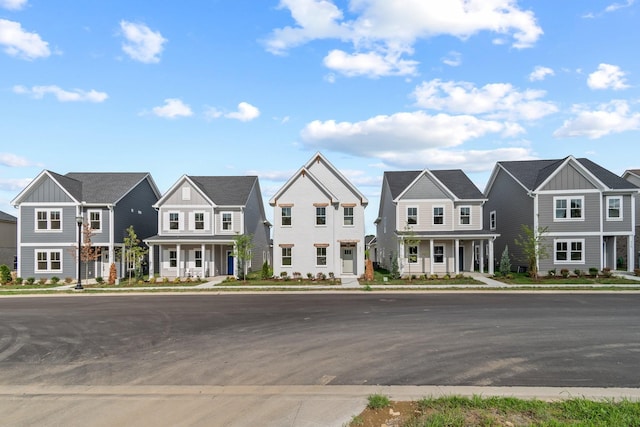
(237,87)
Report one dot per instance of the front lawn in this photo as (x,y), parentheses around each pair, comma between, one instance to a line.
(525,279)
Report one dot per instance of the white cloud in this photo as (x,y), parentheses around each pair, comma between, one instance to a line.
(246,112)
(142,44)
(540,73)
(495,100)
(13,4)
(613,117)
(607,77)
(405,132)
(384,29)
(372,64)
(615,6)
(76,95)
(14,184)
(172,109)
(12,160)
(453,59)
(20,43)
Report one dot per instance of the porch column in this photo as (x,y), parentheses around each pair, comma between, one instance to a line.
(203,260)
(631,257)
(160,260)
(481,260)
(151,265)
(401,256)
(456,254)
(178,260)
(431,256)
(491,257)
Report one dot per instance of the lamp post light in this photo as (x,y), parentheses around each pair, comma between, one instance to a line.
(79,220)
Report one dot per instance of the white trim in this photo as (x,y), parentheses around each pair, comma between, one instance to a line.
(222,222)
(433,216)
(569,251)
(185,207)
(48,204)
(48,269)
(89,212)
(48,229)
(620,208)
(460,214)
(583,233)
(569,191)
(493,217)
(568,217)
(50,245)
(407,207)
(444,254)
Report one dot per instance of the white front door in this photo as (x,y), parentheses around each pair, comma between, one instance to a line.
(347,260)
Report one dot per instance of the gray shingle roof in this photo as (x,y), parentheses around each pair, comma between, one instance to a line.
(455,180)
(7,218)
(100,187)
(532,173)
(226,190)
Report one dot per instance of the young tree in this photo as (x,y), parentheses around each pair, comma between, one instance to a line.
(410,240)
(133,252)
(505,262)
(533,246)
(243,243)
(88,253)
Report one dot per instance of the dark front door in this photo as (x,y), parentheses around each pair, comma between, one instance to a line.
(461,258)
(229,263)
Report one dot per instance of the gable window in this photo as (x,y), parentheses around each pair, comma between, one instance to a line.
(438,215)
(174,221)
(438,254)
(48,261)
(412,215)
(286,256)
(465,215)
(186,193)
(173,259)
(198,219)
(227,221)
(569,251)
(348,216)
(286,215)
(95,220)
(321,256)
(413,254)
(198,258)
(568,208)
(492,220)
(48,220)
(614,208)
(321,216)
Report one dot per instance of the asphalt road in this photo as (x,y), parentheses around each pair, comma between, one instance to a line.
(478,339)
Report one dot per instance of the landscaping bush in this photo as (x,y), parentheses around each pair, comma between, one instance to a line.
(551,273)
(31,280)
(68,280)
(378,401)
(5,274)
(55,280)
(636,271)
(578,272)
(99,280)
(593,271)
(321,276)
(266,272)
(42,281)
(564,272)
(606,272)
(310,276)
(18,280)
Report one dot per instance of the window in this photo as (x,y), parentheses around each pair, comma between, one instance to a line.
(174,221)
(286,215)
(198,258)
(492,220)
(95,220)
(413,254)
(48,261)
(186,193)
(173,259)
(348,216)
(438,215)
(321,216)
(569,251)
(438,254)
(412,216)
(614,208)
(198,219)
(48,220)
(568,208)
(465,215)
(321,256)
(286,256)
(226,221)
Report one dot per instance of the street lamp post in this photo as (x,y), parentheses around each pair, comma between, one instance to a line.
(79,220)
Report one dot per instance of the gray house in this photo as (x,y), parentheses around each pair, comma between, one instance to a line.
(431,222)
(584,207)
(51,205)
(198,219)
(8,239)
(633,176)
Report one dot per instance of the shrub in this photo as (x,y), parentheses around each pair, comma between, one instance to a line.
(18,280)
(176,280)
(636,271)
(321,276)
(55,280)
(112,274)
(5,274)
(331,275)
(165,280)
(266,272)
(42,280)
(446,277)
(577,272)
(152,279)
(378,401)
(433,277)
(395,270)
(68,280)
(564,272)
(461,276)
(140,282)
(551,273)
(99,280)
(505,262)
(509,276)
(310,276)
(31,280)
(593,271)
(297,275)
(606,272)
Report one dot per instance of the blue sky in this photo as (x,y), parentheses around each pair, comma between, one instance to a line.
(234,87)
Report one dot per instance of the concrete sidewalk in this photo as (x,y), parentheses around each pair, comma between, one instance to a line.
(239,405)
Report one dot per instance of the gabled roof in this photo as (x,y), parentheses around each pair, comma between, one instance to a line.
(93,187)
(226,190)
(102,187)
(341,177)
(455,181)
(5,217)
(533,173)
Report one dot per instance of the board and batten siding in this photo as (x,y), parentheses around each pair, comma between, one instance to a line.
(47,191)
(186,195)
(136,209)
(425,188)
(568,178)
(590,216)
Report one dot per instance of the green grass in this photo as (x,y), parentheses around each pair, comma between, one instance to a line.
(377,401)
(505,411)
(524,279)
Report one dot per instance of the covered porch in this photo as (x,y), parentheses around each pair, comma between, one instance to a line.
(424,253)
